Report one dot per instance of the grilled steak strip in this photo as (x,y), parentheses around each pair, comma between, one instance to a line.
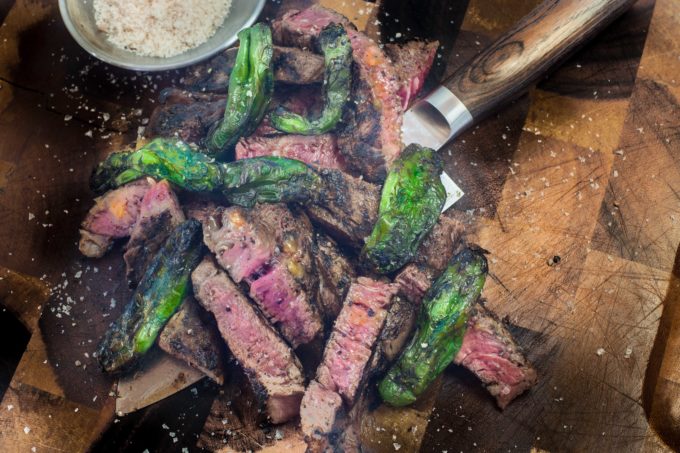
(490,352)
(371,133)
(432,258)
(346,356)
(273,370)
(268,248)
(187,114)
(412,63)
(291,65)
(113,216)
(349,207)
(192,336)
(321,150)
(159,214)
(336,274)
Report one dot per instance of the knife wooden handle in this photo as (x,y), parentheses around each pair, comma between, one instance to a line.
(516,60)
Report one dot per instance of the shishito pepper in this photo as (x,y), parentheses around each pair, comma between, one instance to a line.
(337,51)
(251,86)
(156,299)
(267,179)
(441,326)
(412,200)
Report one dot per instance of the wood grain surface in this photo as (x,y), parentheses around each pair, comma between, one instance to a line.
(585,167)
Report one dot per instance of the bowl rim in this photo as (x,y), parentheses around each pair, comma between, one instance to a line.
(160,66)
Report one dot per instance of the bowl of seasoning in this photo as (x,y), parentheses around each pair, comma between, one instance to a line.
(155,35)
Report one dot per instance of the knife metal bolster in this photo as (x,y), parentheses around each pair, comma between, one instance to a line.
(435,119)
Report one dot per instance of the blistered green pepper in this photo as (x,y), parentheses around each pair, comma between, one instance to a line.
(156,299)
(244,182)
(251,86)
(412,200)
(337,51)
(441,326)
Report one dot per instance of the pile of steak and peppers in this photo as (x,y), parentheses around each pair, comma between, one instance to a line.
(305,225)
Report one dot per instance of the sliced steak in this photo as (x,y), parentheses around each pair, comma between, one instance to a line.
(412,63)
(113,216)
(269,249)
(490,352)
(336,274)
(321,150)
(345,359)
(273,370)
(192,336)
(433,256)
(159,214)
(186,114)
(370,136)
(348,208)
(291,65)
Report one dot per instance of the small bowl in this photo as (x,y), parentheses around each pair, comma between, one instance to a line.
(78,16)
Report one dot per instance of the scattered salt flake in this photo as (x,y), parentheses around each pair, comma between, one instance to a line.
(278,435)
(78,362)
(628,352)
(68,118)
(88,133)
(396,446)
(27,429)
(31,216)
(600,352)
(78,274)
(423,345)
(10,407)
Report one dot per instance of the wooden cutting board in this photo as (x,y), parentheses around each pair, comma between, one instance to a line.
(586,167)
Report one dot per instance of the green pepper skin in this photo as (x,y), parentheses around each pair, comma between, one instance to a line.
(155,300)
(441,326)
(251,86)
(244,182)
(412,200)
(162,158)
(337,51)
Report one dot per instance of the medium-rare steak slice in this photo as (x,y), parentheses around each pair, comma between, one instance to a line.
(192,336)
(348,208)
(321,150)
(273,370)
(159,214)
(336,274)
(347,354)
(370,136)
(291,65)
(270,249)
(113,216)
(490,352)
(412,63)
(186,114)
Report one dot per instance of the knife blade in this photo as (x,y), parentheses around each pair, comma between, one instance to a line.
(503,71)
(159,376)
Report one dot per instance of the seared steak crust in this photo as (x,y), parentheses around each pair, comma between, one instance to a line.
(336,274)
(159,214)
(273,370)
(186,114)
(269,249)
(370,136)
(412,63)
(291,65)
(349,207)
(433,256)
(490,352)
(192,336)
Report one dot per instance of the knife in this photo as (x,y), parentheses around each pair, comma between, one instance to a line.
(502,72)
